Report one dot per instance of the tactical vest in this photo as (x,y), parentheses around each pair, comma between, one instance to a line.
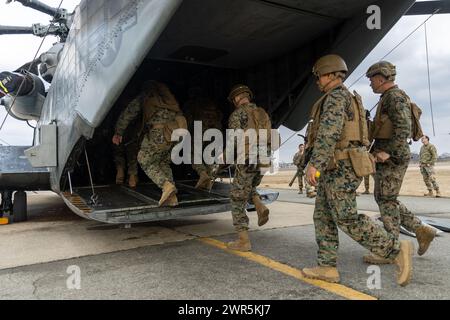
(208,113)
(355,130)
(383,128)
(163,99)
(258,119)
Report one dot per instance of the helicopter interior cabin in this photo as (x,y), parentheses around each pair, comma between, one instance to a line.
(268,45)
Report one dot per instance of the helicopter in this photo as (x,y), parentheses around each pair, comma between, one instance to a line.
(107,48)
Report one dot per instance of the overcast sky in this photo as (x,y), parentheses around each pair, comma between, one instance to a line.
(410,59)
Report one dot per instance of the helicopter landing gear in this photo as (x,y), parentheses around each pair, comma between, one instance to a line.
(17,209)
(6,205)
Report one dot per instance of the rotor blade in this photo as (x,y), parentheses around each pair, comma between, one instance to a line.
(429,7)
(39,6)
(15,30)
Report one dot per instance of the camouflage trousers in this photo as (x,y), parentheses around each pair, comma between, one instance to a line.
(429,177)
(388,183)
(336,207)
(243,188)
(302,183)
(199,168)
(125,156)
(367,183)
(155,157)
(203,167)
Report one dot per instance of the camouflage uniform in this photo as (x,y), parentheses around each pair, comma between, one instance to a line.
(125,154)
(428,158)
(301,178)
(389,176)
(204,110)
(367,183)
(297,162)
(336,198)
(246,178)
(154,155)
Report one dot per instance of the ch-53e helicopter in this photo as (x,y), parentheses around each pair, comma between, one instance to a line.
(109,47)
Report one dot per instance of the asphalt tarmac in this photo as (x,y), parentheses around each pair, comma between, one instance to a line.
(57,255)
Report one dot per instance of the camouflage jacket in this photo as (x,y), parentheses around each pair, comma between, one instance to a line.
(204,110)
(134,109)
(239,118)
(396,105)
(428,154)
(298,158)
(336,109)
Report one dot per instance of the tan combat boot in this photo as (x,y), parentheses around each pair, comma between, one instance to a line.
(204,182)
(172,201)
(377,260)
(262,210)
(311,194)
(169,189)
(438,193)
(425,235)
(429,194)
(120,176)
(242,244)
(328,274)
(133,181)
(404,263)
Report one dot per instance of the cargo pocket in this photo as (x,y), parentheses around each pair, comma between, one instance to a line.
(362,161)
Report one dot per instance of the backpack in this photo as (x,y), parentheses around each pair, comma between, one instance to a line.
(258,119)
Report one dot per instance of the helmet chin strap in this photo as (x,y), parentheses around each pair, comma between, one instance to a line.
(378,87)
(324,88)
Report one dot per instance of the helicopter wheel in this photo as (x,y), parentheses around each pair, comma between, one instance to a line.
(19,211)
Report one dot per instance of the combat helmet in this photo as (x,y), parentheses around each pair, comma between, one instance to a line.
(329,64)
(239,89)
(385,68)
(149,86)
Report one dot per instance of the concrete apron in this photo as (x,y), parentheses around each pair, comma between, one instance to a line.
(54,233)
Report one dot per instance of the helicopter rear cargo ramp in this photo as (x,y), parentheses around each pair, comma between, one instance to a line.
(114,204)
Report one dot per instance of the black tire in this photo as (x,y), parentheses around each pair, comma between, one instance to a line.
(20,207)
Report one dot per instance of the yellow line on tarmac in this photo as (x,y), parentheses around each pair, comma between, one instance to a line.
(337,289)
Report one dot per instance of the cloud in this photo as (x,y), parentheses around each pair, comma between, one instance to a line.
(410,59)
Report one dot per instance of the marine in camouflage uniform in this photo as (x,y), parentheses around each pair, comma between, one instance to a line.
(125,154)
(203,109)
(367,184)
(392,128)
(159,108)
(428,158)
(367,178)
(247,176)
(298,160)
(336,199)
